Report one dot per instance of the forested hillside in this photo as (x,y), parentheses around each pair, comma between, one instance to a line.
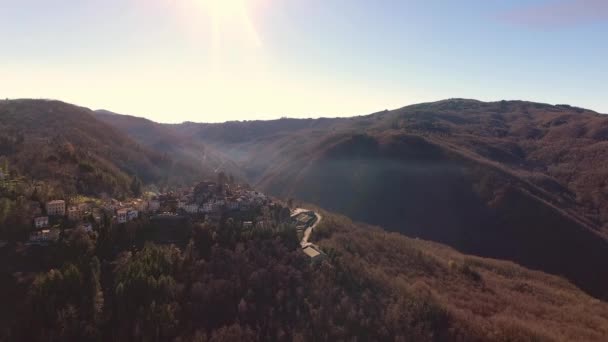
(71,151)
(232,283)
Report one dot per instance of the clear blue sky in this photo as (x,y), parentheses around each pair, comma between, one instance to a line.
(217,60)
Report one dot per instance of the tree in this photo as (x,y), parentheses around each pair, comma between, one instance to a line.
(203,239)
(136,186)
(221,178)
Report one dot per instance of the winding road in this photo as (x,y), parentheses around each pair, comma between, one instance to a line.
(309,229)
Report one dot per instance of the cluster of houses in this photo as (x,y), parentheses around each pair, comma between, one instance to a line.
(78,214)
(209,198)
(206,199)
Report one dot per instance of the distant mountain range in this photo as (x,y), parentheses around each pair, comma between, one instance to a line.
(513,180)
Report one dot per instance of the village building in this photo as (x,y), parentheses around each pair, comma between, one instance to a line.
(232,205)
(132,214)
(55,208)
(305,219)
(191,208)
(121,215)
(207,207)
(75,214)
(41,222)
(43,237)
(314,253)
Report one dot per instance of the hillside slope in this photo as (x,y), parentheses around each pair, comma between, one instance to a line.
(163,139)
(513,180)
(69,149)
(485,299)
(233,283)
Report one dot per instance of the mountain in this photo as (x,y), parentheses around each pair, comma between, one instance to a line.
(163,139)
(66,147)
(512,180)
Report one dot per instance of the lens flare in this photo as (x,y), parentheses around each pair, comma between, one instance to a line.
(230,20)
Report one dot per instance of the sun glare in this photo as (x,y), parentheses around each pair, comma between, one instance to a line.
(223,9)
(230,17)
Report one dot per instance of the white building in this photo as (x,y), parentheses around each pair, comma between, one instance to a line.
(233,205)
(207,207)
(121,215)
(43,237)
(191,208)
(41,222)
(132,214)
(55,208)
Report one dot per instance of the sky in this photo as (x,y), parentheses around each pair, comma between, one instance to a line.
(221,60)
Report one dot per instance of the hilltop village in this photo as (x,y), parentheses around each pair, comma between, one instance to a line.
(207,201)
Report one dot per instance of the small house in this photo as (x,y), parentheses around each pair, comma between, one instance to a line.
(207,207)
(121,215)
(132,214)
(43,237)
(191,208)
(41,222)
(314,253)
